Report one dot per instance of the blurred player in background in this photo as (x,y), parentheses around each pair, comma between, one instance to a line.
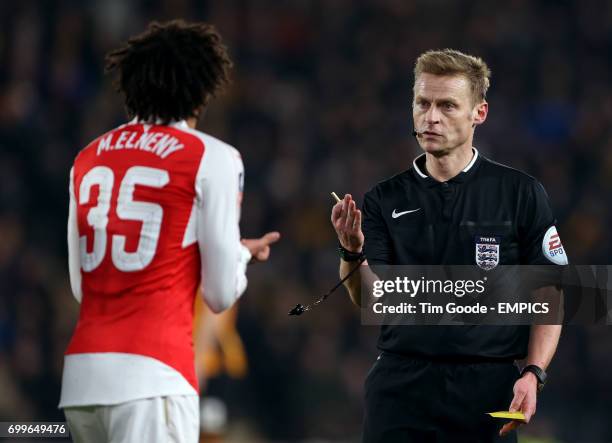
(154,211)
(219,355)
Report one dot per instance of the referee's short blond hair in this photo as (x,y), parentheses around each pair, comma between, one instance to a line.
(453,62)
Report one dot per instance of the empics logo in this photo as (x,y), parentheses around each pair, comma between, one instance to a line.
(552,247)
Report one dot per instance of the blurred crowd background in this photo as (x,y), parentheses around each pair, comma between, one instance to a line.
(320,102)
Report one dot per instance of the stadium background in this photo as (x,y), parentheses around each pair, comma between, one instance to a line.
(320,101)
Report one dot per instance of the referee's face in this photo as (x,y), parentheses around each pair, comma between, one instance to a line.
(443,112)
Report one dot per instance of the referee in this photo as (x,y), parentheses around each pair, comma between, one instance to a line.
(435,383)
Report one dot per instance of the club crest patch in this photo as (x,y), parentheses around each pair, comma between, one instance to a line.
(552,247)
(487,251)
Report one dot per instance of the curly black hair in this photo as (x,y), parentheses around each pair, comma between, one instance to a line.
(170,71)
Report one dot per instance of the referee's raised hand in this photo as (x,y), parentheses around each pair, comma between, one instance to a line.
(346,218)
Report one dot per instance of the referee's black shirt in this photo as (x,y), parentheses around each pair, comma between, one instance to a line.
(412,219)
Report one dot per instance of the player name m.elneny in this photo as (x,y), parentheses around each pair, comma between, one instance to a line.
(157,143)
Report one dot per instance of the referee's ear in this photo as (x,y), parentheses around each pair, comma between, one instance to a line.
(480,112)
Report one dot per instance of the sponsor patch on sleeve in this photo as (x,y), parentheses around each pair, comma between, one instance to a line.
(552,247)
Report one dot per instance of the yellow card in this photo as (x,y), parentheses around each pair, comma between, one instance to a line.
(507,414)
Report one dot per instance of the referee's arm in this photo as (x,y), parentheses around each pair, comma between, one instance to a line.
(536,219)
(543,340)
(371,236)
(346,219)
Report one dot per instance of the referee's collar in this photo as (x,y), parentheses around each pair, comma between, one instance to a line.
(420,170)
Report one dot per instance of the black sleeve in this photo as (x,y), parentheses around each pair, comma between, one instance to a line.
(378,246)
(539,241)
(536,221)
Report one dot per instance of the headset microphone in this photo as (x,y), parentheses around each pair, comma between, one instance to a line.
(415,133)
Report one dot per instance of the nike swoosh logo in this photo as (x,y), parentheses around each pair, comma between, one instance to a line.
(396,214)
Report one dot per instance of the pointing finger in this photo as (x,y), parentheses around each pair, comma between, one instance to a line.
(271,237)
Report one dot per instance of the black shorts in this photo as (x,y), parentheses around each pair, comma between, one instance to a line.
(416,400)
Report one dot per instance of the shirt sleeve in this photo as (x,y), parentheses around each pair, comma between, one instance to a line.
(218,197)
(539,241)
(378,246)
(74,259)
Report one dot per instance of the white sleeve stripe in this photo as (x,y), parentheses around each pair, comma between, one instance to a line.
(74,260)
(190,236)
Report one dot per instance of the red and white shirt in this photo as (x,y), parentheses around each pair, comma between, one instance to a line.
(154,212)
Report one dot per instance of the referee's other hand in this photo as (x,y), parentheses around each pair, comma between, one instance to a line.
(346,218)
(525,399)
(260,247)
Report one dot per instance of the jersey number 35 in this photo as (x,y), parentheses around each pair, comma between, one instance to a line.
(150,214)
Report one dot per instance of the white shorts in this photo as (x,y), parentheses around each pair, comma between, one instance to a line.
(156,420)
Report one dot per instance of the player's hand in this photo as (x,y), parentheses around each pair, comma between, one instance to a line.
(260,247)
(346,218)
(525,399)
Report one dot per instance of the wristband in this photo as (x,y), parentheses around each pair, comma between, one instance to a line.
(539,373)
(349,256)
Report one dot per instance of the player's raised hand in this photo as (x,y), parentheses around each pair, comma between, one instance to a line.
(260,247)
(346,218)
